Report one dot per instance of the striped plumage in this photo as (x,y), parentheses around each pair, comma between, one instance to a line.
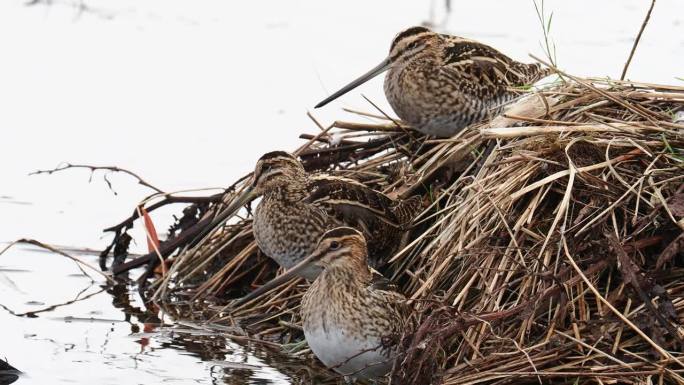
(297,208)
(440,84)
(350,323)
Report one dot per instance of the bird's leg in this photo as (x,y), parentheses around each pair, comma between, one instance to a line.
(349,380)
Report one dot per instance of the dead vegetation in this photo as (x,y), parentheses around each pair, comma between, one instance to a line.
(549,250)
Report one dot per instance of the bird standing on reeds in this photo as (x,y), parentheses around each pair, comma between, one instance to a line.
(440,84)
(297,208)
(351,322)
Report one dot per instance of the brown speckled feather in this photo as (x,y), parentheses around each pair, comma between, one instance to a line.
(480,63)
(440,83)
(351,321)
(381,219)
(297,208)
(347,197)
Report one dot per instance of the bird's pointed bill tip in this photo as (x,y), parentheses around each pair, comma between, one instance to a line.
(360,80)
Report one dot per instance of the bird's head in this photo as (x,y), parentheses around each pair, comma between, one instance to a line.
(411,42)
(340,245)
(276,169)
(406,45)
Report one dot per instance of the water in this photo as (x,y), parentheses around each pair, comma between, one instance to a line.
(188,94)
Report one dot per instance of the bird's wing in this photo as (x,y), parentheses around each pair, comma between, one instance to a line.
(379,282)
(395,303)
(485,66)
(350,201)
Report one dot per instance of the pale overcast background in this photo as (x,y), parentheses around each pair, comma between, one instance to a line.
(189,94)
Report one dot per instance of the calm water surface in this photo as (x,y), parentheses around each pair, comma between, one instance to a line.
(189,94)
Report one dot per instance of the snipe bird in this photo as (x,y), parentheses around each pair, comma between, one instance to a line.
(440,84)
(297,208)
(351,322)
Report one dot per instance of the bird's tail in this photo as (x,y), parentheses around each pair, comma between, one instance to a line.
(535,72)
(407,209)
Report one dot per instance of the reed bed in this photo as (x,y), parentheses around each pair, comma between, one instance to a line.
(549,249)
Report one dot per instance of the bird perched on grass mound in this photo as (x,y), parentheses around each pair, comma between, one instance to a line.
(440,84)
(297,208)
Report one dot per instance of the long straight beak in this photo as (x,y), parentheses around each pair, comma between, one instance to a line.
(277,281)
(247,195)
(380,68)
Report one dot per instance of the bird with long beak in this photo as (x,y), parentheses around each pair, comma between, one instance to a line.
(350,322)
(440,84)
(297,208)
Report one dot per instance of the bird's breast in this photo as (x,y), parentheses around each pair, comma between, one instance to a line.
(420,94)
(432,99)
(339,337)
(287,232)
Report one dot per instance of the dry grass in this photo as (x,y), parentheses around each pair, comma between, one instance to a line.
(549,251)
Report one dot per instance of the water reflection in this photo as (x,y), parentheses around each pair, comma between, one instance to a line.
(98,106)
(77,331)
(102,333)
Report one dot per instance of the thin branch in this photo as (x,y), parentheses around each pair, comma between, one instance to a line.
(53,307)
(128,222)
(636,42)
(92,169)
(166,248)
(78,261)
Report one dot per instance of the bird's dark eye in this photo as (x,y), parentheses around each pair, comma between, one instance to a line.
(334,245)
(413,45)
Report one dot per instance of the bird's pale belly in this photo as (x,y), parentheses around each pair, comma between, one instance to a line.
(348,355)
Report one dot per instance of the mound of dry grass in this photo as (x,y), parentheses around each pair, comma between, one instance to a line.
(549,250)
